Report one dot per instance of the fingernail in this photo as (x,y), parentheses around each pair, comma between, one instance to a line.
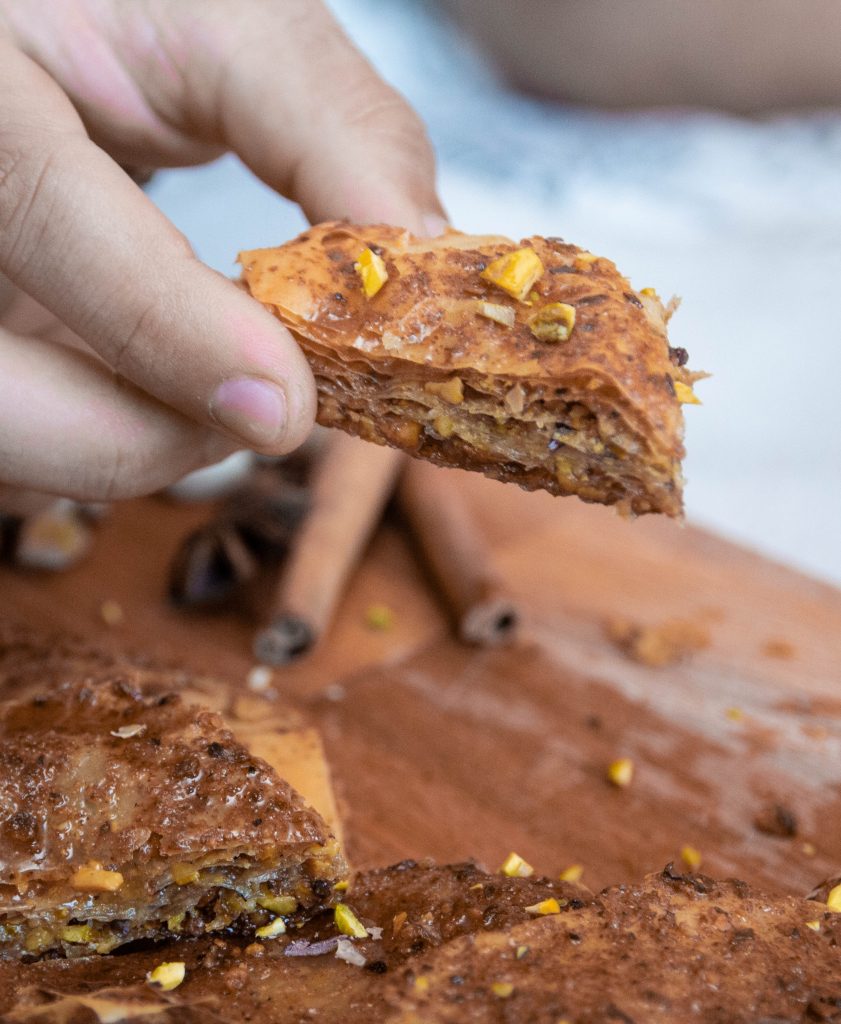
(434,224)
(253,410)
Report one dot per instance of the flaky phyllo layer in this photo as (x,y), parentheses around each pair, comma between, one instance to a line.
(185,898)
(534,363)
(127,817)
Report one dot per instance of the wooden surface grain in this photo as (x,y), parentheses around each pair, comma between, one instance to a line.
(442,750)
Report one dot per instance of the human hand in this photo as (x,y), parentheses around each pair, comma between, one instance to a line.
(124,361)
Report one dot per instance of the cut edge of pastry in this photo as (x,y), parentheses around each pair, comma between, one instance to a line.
(244,886)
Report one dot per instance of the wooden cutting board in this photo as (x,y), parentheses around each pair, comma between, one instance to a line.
(446,751)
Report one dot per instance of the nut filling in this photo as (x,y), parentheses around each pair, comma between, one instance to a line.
(242,898)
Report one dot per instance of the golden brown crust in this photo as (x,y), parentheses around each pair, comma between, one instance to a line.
(595,415)
(122,808)
(445,941)
(675,948)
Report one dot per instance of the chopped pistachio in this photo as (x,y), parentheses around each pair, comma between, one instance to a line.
(111,612)
(184,874)
(544,907)
(278,904)
(814,925)
(379,616)
(621,772)
(405,433)
(650,293)
(76,933)
(444,426)
(348,923)
(272,929)
(37,939)
(584,260)
(572,874)
(478,885)
(685,394)
(342,886)
(502,989)
(691,857)
(451,390)
(515,867)
(833,900)
(515,272)
(521,951)
(371,268)
(167,976)
(95,878)
(174,922)
(505,315)
(553,322)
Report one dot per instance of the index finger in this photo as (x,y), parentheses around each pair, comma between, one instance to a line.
(285,88)
(78,236)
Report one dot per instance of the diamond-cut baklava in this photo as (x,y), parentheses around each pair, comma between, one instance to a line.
(533,362)
(127,816)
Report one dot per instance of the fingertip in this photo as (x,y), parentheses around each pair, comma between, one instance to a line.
(433,225)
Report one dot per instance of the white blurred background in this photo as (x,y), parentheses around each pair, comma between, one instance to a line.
(742,218)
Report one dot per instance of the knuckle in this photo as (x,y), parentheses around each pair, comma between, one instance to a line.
(130,470)
(27,194)
(113,474)
(142,331)
(381,110)
(386,120)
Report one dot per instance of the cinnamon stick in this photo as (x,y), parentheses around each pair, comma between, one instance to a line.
(456,554)
(349,489)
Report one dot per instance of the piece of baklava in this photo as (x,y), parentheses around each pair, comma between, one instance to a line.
(533,362)
(124,817)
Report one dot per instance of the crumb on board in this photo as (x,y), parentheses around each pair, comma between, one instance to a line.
(111,612)
(379,616)
(691,857)
(259,678)
(573,873)
(658,646)
(515,867)
(621,772)
(776,820)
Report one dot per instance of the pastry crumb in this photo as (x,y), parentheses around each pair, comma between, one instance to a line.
(111,612)
(776,820)
(658,646)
